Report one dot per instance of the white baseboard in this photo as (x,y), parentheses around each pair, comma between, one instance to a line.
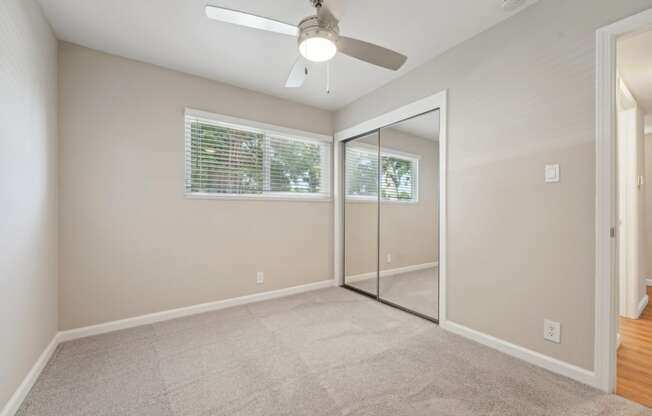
(551,364)
(619,341)
(19,395)
(391,272)
(187,311)
(649,282)
(642,305)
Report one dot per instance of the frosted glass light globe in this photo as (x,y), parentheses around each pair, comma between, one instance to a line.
(317,49)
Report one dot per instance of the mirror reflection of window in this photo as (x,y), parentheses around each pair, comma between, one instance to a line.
(398,176)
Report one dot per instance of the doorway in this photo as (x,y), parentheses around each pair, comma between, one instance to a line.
(391,207)
(622,360)
(633,170)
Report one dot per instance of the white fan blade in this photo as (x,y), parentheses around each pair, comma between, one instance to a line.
(298,74)
(373,54)
(249,20)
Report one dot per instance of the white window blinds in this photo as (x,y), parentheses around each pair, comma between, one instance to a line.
(398,174)
(235,160)
(361,172)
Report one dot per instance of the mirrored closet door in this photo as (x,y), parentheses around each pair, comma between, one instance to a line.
(391,212)
(409,207)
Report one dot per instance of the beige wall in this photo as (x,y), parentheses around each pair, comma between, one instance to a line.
(521,95)
(641,208)
(631,210)
(131,243)
(631,202)
(407,231)
(28,183)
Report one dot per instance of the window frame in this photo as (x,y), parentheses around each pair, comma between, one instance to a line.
(268,131)
(415,159)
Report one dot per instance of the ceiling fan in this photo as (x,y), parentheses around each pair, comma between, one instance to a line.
(318,39)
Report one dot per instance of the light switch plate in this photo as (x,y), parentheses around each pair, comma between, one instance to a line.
(552,173)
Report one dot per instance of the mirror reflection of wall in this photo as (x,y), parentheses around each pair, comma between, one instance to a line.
(409,232)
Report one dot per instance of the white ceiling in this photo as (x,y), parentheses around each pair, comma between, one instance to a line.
(635,68)
(176,34)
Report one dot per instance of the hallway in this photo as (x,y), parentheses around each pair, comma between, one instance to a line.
(635,358)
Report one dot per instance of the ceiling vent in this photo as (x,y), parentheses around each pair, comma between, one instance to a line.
(511,5)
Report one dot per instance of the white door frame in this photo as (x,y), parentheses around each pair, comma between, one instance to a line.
(606,250)
(436,101)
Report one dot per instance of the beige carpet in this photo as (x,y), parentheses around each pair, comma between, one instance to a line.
(417,290)
(329,352)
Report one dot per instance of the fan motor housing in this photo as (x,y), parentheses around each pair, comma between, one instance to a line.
(312,27)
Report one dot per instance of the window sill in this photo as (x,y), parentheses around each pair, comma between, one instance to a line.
(362,200)
(266,197)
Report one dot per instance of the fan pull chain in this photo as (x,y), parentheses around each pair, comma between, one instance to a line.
(328,77)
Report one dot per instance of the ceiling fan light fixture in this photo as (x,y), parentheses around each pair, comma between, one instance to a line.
(318,39)
(317,42)
(317,49)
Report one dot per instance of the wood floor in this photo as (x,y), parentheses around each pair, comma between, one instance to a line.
(635,357)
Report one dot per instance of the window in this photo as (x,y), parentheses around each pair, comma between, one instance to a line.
(398,178)
(224,159)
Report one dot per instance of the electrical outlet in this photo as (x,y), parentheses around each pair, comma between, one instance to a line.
(260,278)
(389,257)
(552,331)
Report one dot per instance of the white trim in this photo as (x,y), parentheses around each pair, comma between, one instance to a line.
(338,214)
(642,305)
(606,325)
(21,392)
(436,101)
(410,110)
(648,282)
(391,272)
(606,289)
(443,195)
(551,364)
(619,341)
(188,311)
(368,199)
(270,129)
(267,196)
(385,151)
